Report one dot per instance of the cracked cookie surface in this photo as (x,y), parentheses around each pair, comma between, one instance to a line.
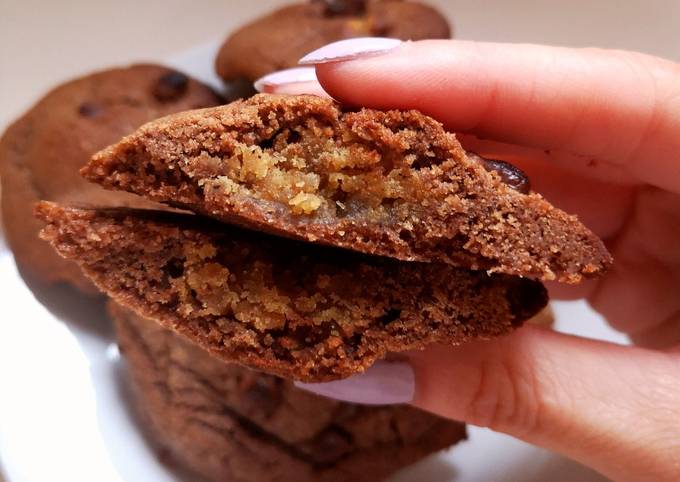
(230,423)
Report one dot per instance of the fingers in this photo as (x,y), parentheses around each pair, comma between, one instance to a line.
(618,107)
(295,81)
(664,335)
(553,175)
(614,408)
(639,293)
(299,80)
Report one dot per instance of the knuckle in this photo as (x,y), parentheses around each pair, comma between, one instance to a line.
(507,399)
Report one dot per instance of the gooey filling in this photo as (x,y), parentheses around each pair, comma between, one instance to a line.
(318,173)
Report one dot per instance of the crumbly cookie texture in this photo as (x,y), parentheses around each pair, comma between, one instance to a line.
(301,311)
(42,152)
(226,422)
(279,39)
(391,183)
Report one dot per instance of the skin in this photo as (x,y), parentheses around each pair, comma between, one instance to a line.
(598,132)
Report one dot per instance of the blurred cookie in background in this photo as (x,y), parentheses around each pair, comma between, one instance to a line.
(227,422)
(42,152)
(278,40)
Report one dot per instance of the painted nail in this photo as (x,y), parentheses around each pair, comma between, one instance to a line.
(298,75)
(385,383)
(350,49)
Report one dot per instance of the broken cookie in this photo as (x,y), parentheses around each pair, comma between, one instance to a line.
(389,183)
(302,311)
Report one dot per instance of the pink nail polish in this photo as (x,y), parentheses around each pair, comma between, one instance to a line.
(297,75)
(385,383)
(350,49)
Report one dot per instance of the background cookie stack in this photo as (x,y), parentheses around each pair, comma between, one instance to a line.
(220,420)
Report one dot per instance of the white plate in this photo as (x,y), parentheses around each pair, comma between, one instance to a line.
(64,412)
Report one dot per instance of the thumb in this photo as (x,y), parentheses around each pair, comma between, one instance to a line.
(614,408)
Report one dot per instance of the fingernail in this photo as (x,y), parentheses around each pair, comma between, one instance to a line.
(297,75)
(350,49)
(385,383)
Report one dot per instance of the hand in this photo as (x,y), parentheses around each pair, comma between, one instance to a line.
(598,133)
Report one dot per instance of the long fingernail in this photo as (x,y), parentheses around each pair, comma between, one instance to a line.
(350,49)
(297,75)
(385,383)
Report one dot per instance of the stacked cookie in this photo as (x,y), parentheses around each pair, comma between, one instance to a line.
(221,420)
(289,308)
(437,246)
(230,423)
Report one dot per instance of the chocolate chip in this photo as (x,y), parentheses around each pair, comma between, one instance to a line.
(526,297)
(174,268)
(344,7)
(509,174)
(380,27)
(330,445)
(263,395)
(171,86)
(89,109)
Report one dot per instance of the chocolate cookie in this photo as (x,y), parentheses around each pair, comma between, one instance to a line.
(41,153)
(226,422)
(301,311)
(278,40)
(390,183)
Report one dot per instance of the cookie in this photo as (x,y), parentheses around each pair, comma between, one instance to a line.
(278,40)
(226,422)
(293,309)
(42,152)
(390,183)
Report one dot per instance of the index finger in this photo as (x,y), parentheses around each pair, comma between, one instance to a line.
(612,106)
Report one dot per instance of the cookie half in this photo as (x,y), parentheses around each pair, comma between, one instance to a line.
(42,152)
(301,311)
(390,183)
(226,422)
